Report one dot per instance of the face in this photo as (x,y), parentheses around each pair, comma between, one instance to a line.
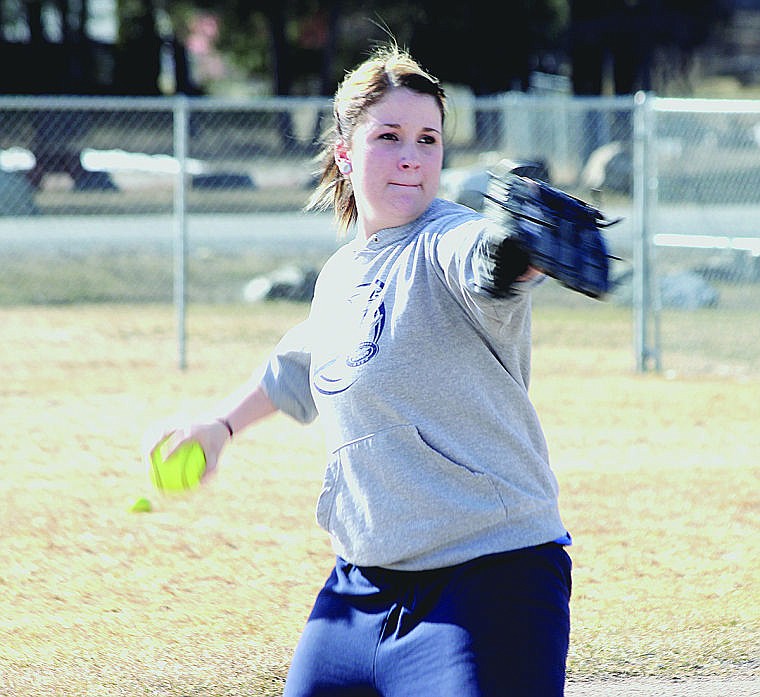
(396,155)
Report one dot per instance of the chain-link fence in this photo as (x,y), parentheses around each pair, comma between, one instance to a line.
(704,228)
(199,200)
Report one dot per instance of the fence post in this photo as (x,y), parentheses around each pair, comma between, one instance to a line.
(180,121)
(646,319)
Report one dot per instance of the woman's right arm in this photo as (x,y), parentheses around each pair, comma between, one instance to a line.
(281,384)
(245,408)
(242,409)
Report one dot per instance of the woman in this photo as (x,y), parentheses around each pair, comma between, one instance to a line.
(451,576)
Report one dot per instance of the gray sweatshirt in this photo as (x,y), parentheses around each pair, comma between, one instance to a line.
(420,374)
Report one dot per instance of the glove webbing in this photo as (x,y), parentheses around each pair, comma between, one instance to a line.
(559,232)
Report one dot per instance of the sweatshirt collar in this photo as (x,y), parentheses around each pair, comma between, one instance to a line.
(390,236)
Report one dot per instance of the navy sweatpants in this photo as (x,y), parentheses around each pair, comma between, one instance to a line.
(495,626)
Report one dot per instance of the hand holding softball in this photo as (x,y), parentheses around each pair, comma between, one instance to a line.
(182,458)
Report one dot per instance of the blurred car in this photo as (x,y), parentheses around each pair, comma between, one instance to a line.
(466,185)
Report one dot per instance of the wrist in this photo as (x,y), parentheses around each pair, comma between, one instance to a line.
(227,425)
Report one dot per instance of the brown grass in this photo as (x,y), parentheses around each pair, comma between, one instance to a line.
(206,595)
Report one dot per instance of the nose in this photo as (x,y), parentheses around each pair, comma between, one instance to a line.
(408,158)
(408,163)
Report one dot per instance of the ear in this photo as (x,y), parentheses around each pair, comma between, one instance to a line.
(342,158)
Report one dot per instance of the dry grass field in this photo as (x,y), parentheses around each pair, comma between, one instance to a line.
(206,594)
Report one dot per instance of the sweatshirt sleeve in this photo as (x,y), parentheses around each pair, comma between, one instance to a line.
(478,261)
(286,375)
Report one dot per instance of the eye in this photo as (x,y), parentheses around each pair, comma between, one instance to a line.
(428,140)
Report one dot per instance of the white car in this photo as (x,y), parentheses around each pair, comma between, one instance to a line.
(466,185)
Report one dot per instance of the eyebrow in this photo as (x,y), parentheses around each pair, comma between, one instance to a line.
(398,125)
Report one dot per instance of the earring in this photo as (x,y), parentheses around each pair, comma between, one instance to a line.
(344,167)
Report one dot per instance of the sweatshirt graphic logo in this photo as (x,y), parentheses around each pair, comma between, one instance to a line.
(359,344)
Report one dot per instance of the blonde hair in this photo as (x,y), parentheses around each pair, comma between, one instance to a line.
(387,67)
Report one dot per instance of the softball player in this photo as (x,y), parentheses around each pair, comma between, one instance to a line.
(451,575)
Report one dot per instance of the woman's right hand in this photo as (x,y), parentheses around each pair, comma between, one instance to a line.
(212,436)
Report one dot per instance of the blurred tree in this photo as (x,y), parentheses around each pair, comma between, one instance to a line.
(469,44)
(304,46)
(289,44)
(47,46)
(138,48)
(613,45)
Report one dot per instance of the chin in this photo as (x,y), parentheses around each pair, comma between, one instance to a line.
(411,210)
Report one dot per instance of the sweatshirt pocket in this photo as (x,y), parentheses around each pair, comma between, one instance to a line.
(389,496)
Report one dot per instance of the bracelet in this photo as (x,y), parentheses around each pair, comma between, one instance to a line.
(227,426)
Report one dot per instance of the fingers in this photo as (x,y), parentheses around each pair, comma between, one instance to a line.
(172,441)
(165,440)
(530,273)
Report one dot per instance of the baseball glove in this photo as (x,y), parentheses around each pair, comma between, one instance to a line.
(560,234)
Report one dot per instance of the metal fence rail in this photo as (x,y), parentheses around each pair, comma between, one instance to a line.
(186,199)
(704,233)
